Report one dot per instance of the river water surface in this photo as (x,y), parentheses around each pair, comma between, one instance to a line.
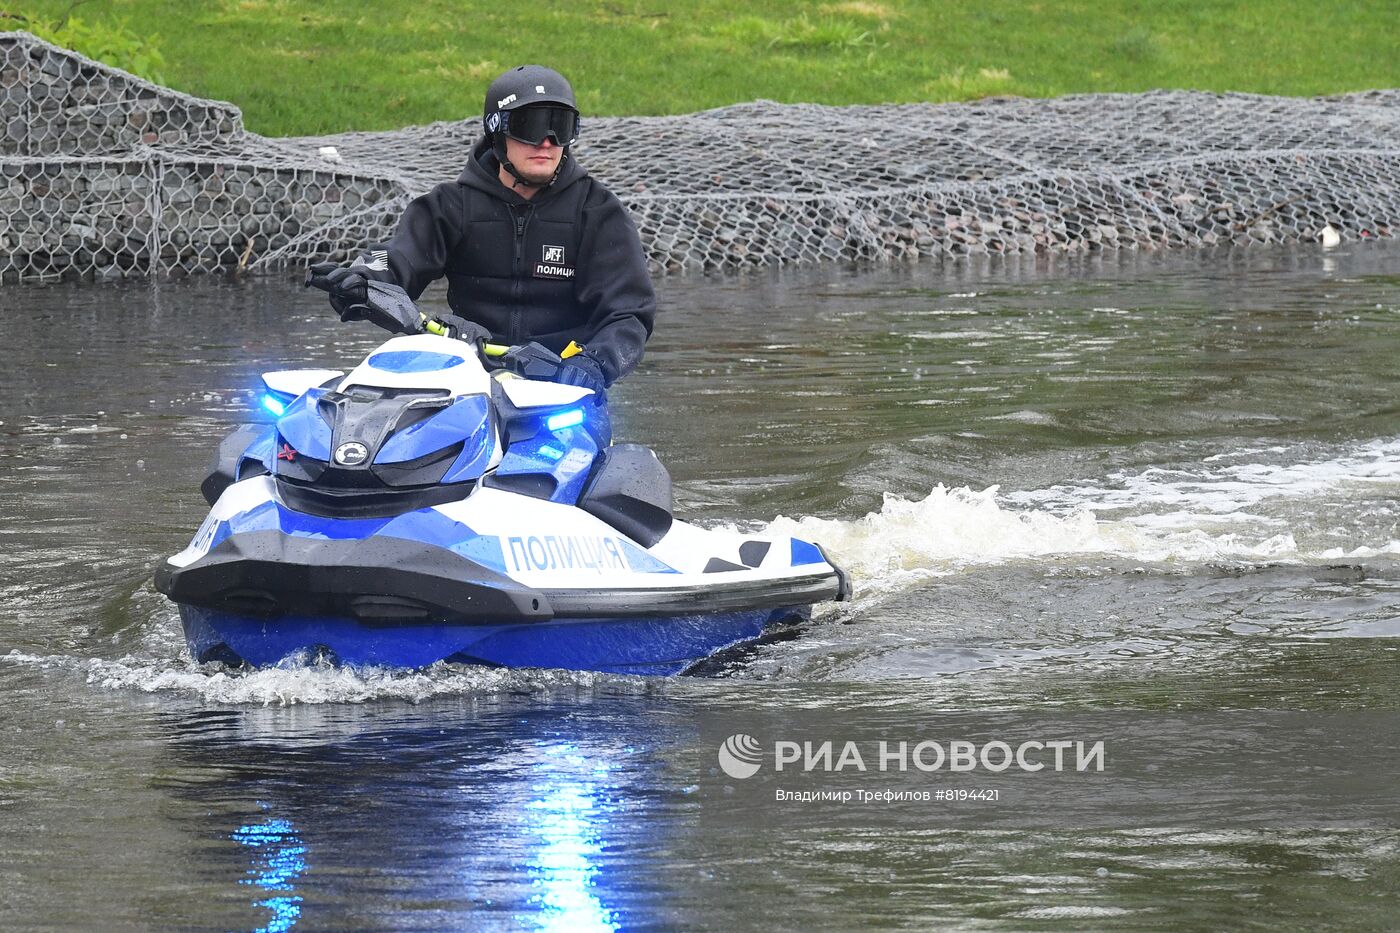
(1151,482)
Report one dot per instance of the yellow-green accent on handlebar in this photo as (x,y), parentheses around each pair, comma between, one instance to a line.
(490,349)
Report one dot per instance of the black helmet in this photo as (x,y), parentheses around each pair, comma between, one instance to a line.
(529,103)
(523,87)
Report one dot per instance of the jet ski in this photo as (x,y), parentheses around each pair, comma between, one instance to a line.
(428,506)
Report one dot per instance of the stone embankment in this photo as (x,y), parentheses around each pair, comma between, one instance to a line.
(103,175)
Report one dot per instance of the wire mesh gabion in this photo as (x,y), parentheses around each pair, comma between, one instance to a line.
(104,175)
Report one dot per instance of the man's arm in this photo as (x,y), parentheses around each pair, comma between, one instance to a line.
(613,286)
(417,253)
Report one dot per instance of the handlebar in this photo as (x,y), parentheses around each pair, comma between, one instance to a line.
(492,350)
(388,306)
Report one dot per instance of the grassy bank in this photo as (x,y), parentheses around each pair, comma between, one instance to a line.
(303,66)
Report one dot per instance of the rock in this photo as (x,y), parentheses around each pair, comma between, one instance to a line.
(85,233)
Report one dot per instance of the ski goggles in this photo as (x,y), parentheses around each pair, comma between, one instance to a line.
(533,124)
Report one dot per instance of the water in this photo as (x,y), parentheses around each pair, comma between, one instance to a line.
(1153,482)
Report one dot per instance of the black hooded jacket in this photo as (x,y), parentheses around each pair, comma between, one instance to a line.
(564,265)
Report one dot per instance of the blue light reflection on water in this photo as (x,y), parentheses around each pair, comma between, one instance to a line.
(567,815)
(279,863)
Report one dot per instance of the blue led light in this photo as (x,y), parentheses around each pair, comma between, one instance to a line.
(553,453)
(565,419)
(273,404)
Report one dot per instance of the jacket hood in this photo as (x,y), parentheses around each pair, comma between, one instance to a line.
(483,168)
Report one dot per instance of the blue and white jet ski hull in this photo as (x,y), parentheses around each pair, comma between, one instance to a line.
(460,582)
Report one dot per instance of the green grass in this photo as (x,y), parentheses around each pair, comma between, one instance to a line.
(302,66)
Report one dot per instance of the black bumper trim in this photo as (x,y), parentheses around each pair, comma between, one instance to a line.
(375,580)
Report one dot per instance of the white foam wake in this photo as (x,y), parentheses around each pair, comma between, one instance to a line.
(952,529)
(1226,486)
(1254,504)
(289,683)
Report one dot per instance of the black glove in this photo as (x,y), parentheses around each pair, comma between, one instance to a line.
(583,371)
(535,361)
(459,328)
(345,287)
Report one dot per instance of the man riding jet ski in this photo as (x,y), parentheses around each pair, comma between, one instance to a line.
(419,509)
(534,249)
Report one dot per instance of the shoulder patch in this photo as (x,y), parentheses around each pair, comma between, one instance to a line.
(375,260)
